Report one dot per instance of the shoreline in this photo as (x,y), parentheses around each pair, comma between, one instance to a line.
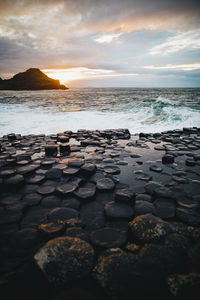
(125,208)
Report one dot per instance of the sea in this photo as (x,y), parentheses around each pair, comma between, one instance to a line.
(138,109)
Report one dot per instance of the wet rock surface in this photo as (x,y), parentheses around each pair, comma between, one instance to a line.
(64,259)
(101,209)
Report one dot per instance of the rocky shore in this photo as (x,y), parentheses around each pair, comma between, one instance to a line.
(100,215)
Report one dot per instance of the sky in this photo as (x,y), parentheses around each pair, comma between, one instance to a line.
(103,43)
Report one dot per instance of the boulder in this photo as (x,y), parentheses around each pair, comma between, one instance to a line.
(64,259)
(148,228)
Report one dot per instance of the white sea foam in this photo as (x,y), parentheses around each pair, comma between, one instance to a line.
(139,111)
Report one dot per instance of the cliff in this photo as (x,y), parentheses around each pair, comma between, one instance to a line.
(32,79)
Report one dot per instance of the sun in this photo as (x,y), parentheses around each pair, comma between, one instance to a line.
(65,75)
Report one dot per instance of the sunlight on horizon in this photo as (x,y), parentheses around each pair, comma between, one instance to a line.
(65,75)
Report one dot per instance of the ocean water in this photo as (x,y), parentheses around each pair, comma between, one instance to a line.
(139,110)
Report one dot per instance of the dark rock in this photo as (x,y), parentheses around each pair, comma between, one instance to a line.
(118,210)
(77,232)
(144,177)
(143,197)
(105,184)
(168,159)
(46,190)
(27,169)
(164,208)
(108,237)
(63,138)
(71,202)
(143,207)
(152,187)
(9,216)
(74,222)
(124,195)
(36,179)
(184,286)
(160,260)
(70,171)
(194,255)
(26,238)
(23,162)
(14,180)
(11,136)
(180,179)
(31,79)
(34,216)
(135,155)
(190,162)
(85,193)
(7,172)
(98,175)
(189,216)
(88,169)
(148,228)
(54,173)
(112,170)
(32,199)
(76,163)
(47,163)
(51,150)
(10,199)
(159,148)
(50,230)
(92,214)
(51,201)
(118,274)
(155,168)
(64,259)
(67,188)
(62,213)
(64,149)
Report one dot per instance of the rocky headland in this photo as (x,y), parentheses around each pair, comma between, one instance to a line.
(100,215)
(32,79)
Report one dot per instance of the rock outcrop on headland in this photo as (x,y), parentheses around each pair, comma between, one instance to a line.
(32,79)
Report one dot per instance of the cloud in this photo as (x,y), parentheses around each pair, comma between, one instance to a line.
(113,15)
(183,67)
(183,41)
(107,38)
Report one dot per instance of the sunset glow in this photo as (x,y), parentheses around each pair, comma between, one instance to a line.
(65,75)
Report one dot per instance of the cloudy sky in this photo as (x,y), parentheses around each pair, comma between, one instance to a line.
(117,43)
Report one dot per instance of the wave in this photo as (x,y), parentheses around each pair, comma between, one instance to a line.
(162,100)
(139,110)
